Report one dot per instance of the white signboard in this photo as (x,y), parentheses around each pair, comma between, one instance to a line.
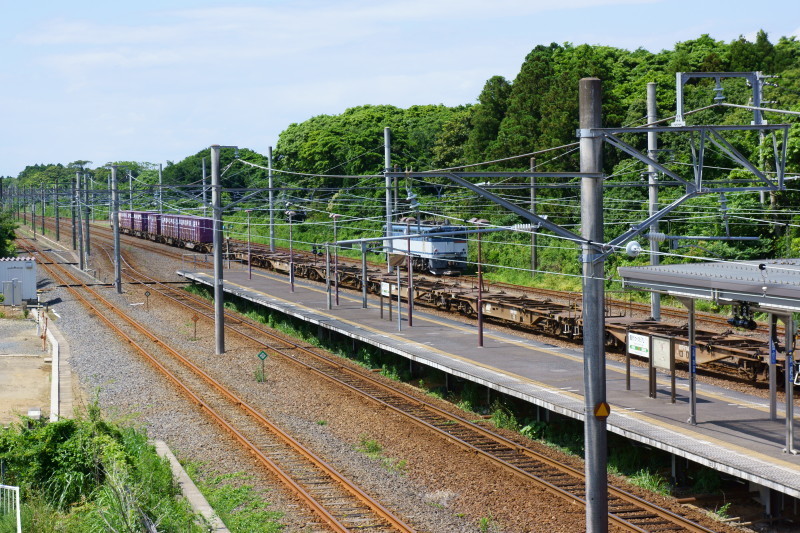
(386,289)
(661,353)
(639,345)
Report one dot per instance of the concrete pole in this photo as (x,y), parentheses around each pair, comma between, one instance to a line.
(534,258)
(87,211)
(130,190)
(115,227)
(652,184)
(72,211)
(387,158)
(205,190)
(79,222)
(219,303)
(594,368)
(110,200)
(271,201)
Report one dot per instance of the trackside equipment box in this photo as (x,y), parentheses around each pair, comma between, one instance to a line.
(18,279)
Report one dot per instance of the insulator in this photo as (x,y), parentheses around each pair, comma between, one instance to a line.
(657,236)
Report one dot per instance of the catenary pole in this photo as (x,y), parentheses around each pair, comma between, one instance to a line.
(72,211)
(86,210)
(79,222)
(115,226)
(56,205)
(652,184)
(44,207)
(160,189)
(205,189)
(271,201)
(219,303)
(594,371)
(534,257)
(387,158)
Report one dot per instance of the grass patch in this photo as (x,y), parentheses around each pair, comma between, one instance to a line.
(373,449)
(238,504)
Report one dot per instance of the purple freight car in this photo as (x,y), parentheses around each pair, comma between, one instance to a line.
(187,228)
(145,221)
(126,221)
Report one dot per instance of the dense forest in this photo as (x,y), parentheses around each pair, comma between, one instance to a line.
(324,156)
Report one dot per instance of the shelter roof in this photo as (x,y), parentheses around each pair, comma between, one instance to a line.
(771,284)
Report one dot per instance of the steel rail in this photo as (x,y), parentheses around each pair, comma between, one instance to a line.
(317,507)
(508,457)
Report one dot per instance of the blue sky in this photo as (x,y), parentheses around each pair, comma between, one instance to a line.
(160,80)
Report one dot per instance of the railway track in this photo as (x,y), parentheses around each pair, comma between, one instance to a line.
(338,503)
(626,510)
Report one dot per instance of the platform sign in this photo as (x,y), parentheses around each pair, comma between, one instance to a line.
(386,289)
(662,353)
(639,345)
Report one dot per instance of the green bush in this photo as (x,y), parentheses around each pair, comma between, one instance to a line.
(87,474)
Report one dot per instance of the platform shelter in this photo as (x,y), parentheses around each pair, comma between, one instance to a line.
(769,286)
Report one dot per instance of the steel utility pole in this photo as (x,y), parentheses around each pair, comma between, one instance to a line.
(594,367)
(652,183)
(387,157)
(271,201)
(115,226)
(219,303)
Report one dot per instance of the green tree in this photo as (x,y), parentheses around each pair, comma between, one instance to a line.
(7,236)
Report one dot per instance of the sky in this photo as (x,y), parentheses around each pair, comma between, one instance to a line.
(158,81)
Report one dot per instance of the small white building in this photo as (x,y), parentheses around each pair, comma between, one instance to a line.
(17,280)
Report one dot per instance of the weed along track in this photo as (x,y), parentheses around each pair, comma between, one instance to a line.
(627,511)
(338,504)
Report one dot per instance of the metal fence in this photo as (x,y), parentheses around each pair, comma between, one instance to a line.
(9,503)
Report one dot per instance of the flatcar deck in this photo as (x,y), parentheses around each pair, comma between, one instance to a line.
(733,432)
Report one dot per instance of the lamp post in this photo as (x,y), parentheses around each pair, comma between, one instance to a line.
(249,256)
(291,215)
(480,222)
(335,216)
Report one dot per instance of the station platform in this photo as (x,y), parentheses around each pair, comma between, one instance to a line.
(733,433)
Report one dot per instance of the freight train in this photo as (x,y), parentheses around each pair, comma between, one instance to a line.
(745,355)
